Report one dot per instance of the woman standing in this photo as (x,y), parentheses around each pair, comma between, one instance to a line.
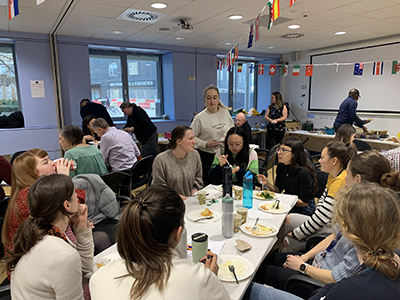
(276,115)
(44,263)
(88,158)
(150,229)
(295,175)
(180,167)
(239,155)
(210,127)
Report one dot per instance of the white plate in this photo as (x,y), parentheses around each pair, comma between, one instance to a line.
(257,195)
(283,208)
(101,262)
(196,214)
(243,268)
(250,225)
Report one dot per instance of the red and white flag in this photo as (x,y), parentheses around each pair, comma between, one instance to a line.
(309,70)
(292,2)
(257,28)
(378,68)
(39,2)
(13,9)
(272,69)
(260,69)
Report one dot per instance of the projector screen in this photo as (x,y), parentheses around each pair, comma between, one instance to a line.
(379,93)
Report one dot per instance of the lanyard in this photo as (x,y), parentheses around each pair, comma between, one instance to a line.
(332,244)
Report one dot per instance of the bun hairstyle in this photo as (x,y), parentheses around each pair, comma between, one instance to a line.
(46,199)
(215,88)
(178,133)
(143,237)
(370,165)
(391,180)
(369,217)
(342,152)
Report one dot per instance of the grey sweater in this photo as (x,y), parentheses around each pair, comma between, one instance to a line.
(182,175)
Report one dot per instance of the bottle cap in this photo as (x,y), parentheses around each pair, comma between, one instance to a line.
(248,175)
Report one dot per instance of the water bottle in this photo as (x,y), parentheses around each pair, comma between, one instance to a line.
(227,180)
(227,216)
(248,190)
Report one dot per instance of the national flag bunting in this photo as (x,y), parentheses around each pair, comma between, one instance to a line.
(251,68)
(358,69)
(292,2)
(274,12)
(236,51)
(284,70)
(250,44)
(39,2)
(309,70)
(13,9)
(272,70)
(257,28)
(233,55)
(296,70)
(395,67)
(378,68)
(239,68)
(260,69)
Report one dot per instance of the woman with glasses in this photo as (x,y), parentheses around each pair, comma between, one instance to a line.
(236,153)
(295,175)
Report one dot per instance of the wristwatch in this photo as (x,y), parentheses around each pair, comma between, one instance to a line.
(303,268)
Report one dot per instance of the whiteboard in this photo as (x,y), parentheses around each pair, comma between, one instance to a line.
(379,93)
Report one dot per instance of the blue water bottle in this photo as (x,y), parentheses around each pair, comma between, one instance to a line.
(248,190)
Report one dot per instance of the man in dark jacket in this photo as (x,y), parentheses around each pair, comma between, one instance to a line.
(140,124)
(240,121)
(95,109)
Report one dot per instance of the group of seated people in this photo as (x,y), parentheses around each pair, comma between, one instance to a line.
(54,224)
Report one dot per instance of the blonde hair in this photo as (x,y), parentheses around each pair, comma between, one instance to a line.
(369,217)
(215,88)
(23,175)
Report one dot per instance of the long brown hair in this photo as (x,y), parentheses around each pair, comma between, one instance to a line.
(369,217)
(342,152)
(144,231)
(45,200)
(278,100)
(215,88)
(23,175)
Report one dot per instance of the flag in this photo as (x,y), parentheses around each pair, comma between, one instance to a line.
(257,28)
(358,69)
(296,70)
(236,51)
(395,67)
(250,44)
(13,9)
(217,64)
(378,68)
(284,70)
(221,64)
(239,68)
(292,2)
(309,70)
(260,69)
(251,68)
(272,69)
(274,12)
(233,55)
(228,61)
(39,2)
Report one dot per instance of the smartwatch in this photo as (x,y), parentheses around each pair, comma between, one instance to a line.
(303,268)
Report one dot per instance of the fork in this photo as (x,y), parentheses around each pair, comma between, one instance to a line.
(276,204)
(204,218)
(232,269)
(254,228)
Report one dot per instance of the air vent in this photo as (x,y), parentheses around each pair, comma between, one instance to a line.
(142,16)
(292,36)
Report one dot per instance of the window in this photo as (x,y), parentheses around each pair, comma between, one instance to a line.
(242,85)
(8,81)
(121,77)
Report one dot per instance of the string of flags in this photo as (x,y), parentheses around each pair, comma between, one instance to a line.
(13,8)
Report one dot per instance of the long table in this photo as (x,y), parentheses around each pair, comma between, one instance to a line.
(260,246)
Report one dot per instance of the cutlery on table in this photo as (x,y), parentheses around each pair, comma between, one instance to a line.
(254,228)
(204,218)
(232,269)
(276,204)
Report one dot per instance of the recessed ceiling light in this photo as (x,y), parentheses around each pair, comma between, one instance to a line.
(340,32)
(164,29)
(179,38)
(294,26)
(117,32)
(271,47)
(228,44)
(235,17)
(158,5)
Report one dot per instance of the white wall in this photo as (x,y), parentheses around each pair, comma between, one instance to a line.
(290,88)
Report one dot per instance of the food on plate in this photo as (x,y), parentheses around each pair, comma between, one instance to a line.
(268,206)
(100,264)
(266,195)
(206,213)
(240,269)
(261,230)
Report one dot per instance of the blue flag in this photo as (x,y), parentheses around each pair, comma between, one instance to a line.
(250,44)
(251,68)
(358,69)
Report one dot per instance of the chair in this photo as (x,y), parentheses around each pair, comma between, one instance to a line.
(3,206)
(141,172)
(113,180)
(262,155)
(322,179)
(302,286)
(361,145)
(148,150)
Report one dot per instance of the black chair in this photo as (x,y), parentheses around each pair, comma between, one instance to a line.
(113,180)
(15,155)
(302,286)
(141,172)
(148,150)
(271,160)
(361,145)
(262,155)
(4,205)
(322,179)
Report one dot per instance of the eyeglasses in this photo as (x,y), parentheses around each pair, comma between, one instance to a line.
(283,150)
(237,146)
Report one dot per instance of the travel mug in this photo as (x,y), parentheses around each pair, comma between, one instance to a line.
(199,246)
